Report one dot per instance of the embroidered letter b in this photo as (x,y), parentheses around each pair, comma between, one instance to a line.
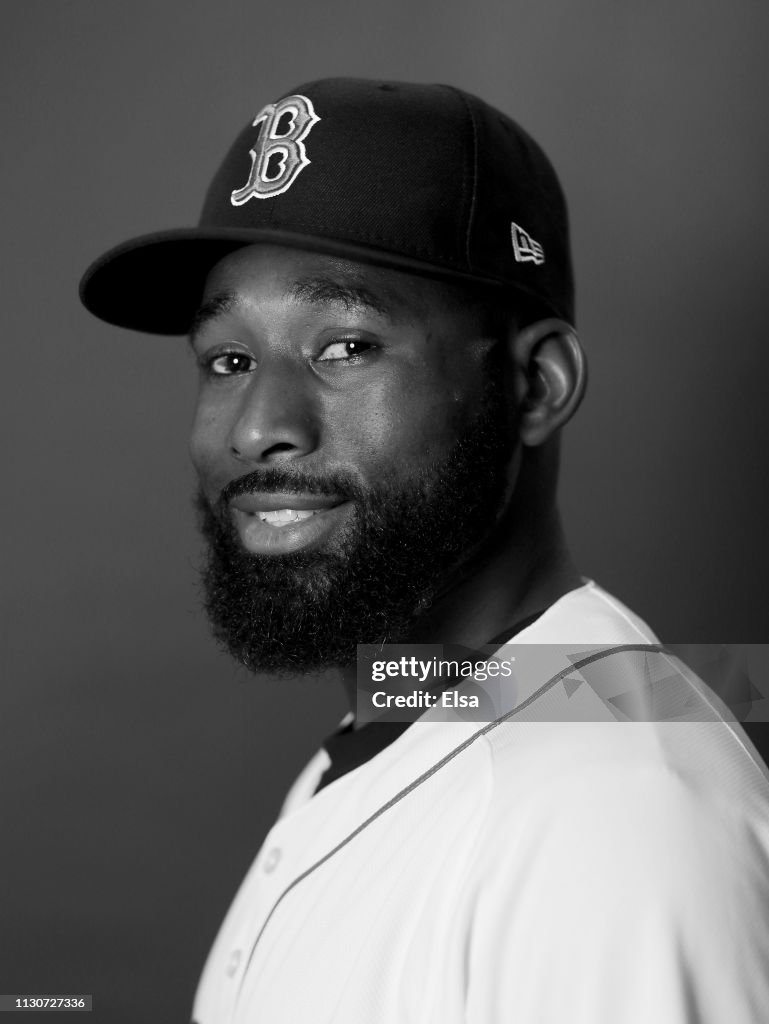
(279,154)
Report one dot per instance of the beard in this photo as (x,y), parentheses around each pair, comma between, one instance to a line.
(307,611)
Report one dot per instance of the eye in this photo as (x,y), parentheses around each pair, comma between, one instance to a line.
(348,350)
(228,364)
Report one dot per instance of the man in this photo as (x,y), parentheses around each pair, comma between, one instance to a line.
(379,297)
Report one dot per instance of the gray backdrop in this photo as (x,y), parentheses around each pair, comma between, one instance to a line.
(139,768)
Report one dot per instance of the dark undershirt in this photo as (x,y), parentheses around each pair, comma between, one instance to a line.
(349,748)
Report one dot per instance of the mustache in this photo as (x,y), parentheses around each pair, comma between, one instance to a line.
(274,479)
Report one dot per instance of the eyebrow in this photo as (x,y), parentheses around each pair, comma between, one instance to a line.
(319,291)
(329,291)
(217,305)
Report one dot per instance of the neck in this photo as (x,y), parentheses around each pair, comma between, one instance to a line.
(524,569)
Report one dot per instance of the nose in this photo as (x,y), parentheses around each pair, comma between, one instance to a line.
(277,419)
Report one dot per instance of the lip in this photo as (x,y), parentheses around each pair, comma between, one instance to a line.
(261,538)
(255,501)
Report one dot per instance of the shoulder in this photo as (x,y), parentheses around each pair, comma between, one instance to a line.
(647,819)
(625,894)
(588,615)
(668,802)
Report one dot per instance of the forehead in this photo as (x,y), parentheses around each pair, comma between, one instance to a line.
(300,276)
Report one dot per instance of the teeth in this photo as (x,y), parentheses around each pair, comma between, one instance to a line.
(284,516)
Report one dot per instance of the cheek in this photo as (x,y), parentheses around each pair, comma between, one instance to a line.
(208,440)
(400,428)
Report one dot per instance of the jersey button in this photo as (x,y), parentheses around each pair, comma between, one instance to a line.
(272,859)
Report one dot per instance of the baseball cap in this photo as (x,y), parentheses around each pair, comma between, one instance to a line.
(426,179)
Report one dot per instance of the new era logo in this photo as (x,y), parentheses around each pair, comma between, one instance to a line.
(525,249)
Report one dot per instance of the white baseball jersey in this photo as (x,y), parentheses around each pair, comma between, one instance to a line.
(574,861)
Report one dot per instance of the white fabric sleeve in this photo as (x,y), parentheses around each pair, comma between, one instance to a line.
(624,899)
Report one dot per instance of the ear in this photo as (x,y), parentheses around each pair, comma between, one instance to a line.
(550,375)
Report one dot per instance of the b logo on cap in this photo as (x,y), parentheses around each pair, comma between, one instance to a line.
(278,157)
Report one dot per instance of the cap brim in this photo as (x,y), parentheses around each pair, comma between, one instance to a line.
(154,283)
